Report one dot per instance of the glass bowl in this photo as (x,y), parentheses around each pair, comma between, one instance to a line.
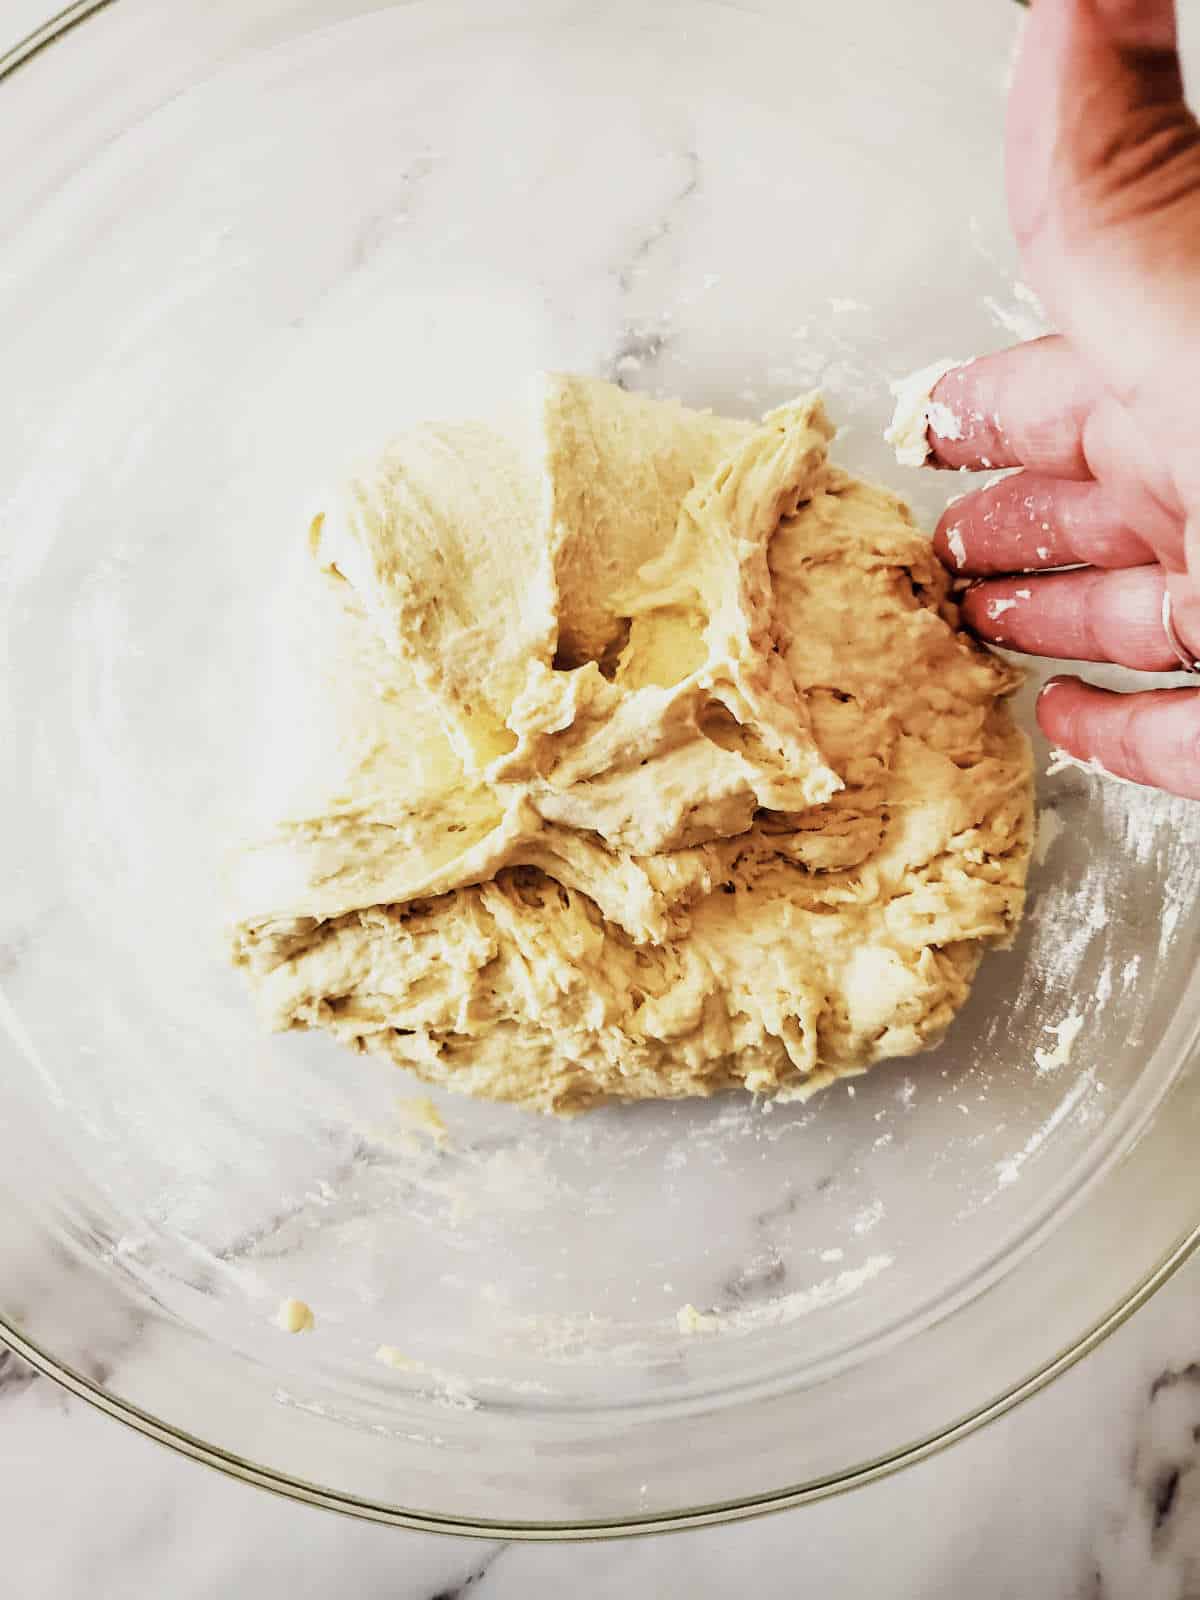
(240,243)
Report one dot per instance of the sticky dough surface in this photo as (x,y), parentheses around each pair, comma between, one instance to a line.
(625,751)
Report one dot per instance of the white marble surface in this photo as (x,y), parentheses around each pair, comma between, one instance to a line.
(1088,1492)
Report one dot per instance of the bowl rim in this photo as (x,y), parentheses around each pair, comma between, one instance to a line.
(234,1466)
(237,1467)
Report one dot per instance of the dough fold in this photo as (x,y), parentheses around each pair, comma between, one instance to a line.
(624,751)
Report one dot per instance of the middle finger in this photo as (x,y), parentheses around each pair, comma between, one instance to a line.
(1028,522)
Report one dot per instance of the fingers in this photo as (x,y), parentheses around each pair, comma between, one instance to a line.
(1104,180)
(1024,407)
(1037,405)
(1085,615)
(1151,738)
(1028,522)
(1139,24)
(1183,618)
(1185,593)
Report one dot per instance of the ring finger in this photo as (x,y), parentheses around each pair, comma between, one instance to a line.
(1085,615)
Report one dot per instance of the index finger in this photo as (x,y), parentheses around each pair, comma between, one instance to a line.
(1022,407)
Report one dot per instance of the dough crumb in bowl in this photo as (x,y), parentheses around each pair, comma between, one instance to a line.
(1065,1034)
(444,1388)
(392,1356)
(637,753)
(295,1316)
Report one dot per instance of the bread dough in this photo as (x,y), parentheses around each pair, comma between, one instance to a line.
(295,1316)
(916,410)
(626,751)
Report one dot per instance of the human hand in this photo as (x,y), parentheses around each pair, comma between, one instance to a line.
(1104,418)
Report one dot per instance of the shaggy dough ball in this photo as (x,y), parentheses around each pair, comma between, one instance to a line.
(630,752)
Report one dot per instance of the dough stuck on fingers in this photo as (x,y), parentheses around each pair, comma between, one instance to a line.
(637,753)
(916,411)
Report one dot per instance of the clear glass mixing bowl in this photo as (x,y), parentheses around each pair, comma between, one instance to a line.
(240,242)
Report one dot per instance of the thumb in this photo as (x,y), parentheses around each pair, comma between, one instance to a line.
(1104,182)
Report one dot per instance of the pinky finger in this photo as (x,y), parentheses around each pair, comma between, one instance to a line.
(1152,737)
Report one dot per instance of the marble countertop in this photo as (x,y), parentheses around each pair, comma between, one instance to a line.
(1090,1491)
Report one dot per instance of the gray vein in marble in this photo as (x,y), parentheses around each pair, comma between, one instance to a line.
(642,343)
(783,1208)
(13,953)
(1156,1535)
(114,1329)
(644,249)
(15,1374)
(372,234)
(252,1241)
(790,1203)
(469,1584)
(17,944)
(766,1271)
(1169,1379)
(761,1276)
(375,230)
(265,1240)
(639,348)
(1170,1446)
